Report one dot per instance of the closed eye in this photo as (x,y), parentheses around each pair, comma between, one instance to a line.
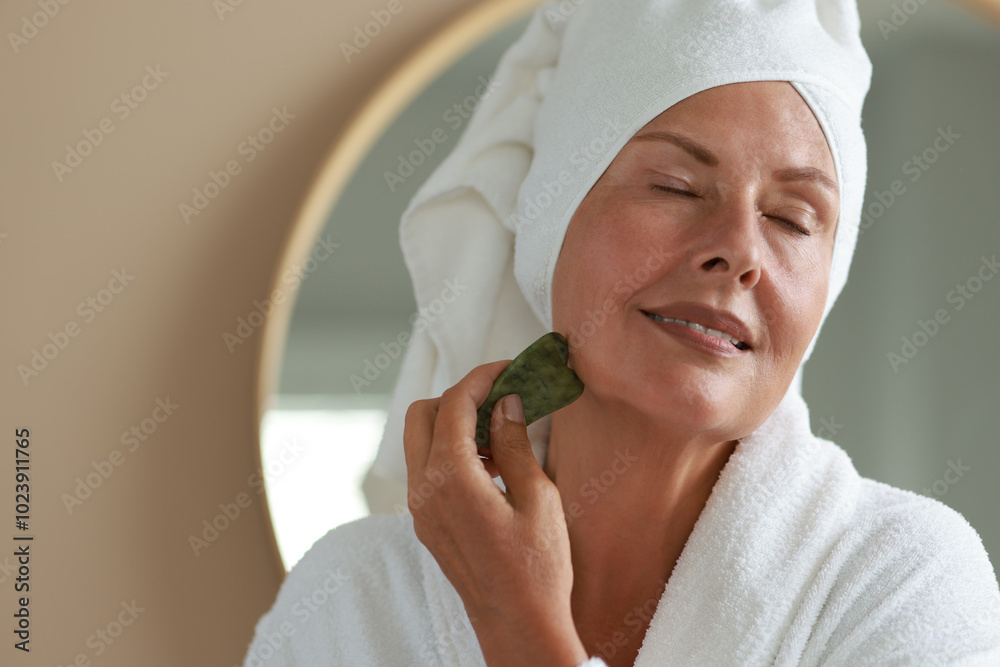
(674,190)
(792,225)
(784,221)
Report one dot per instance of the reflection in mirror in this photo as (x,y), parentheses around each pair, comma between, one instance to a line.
(907,406)
(343,349)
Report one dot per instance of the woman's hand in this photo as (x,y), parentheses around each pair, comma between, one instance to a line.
(507,554)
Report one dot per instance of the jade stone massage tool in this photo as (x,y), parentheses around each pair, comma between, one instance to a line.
(540,376)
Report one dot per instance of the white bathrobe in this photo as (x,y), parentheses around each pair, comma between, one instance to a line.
(795,560)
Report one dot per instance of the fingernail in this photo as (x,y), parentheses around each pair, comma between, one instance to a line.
(512,409)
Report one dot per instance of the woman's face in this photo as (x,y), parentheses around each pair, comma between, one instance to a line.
(724,206)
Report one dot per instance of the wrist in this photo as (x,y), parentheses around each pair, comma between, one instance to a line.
(546,639)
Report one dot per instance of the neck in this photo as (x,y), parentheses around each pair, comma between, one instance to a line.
(632,491)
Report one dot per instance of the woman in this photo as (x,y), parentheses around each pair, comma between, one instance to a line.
(683,189)
(681,511)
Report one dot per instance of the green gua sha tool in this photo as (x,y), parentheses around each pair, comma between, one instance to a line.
(540,376)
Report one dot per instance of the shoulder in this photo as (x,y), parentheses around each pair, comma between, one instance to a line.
(879,522)
(353,559)
(912,578)
(887,518)
(364,575)
(363,550)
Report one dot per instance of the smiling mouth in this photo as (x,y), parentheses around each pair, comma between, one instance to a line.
(738,344)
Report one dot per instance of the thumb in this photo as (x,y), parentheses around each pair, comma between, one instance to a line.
(511,449)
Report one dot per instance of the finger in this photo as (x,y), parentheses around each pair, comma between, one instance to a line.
(455,428)
(418,431)
(512,454)
(486,456)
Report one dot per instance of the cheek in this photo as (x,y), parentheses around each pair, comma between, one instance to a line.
(610,253)
(814,291)
(623,237)
(798,307)
(587,262)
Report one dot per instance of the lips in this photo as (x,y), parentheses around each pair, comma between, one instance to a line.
(718,323)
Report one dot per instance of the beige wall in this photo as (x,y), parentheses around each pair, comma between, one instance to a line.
(62,237)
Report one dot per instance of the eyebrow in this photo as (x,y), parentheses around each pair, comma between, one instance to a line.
(699,152)
(705,156)
(807,174)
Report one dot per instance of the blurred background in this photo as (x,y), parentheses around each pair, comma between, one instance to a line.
(199,248)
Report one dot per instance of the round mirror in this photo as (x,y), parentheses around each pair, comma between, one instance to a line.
(903,378)
(340,353)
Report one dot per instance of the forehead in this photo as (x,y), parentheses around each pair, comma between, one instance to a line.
(767,118)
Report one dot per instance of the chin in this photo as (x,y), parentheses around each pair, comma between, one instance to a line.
(705,410)
(692,399)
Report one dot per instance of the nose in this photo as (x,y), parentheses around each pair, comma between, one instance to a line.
(731,247)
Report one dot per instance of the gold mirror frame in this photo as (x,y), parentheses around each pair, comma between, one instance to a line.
(371,119)
(987,10)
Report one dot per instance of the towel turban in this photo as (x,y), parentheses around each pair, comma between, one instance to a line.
(482,235)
